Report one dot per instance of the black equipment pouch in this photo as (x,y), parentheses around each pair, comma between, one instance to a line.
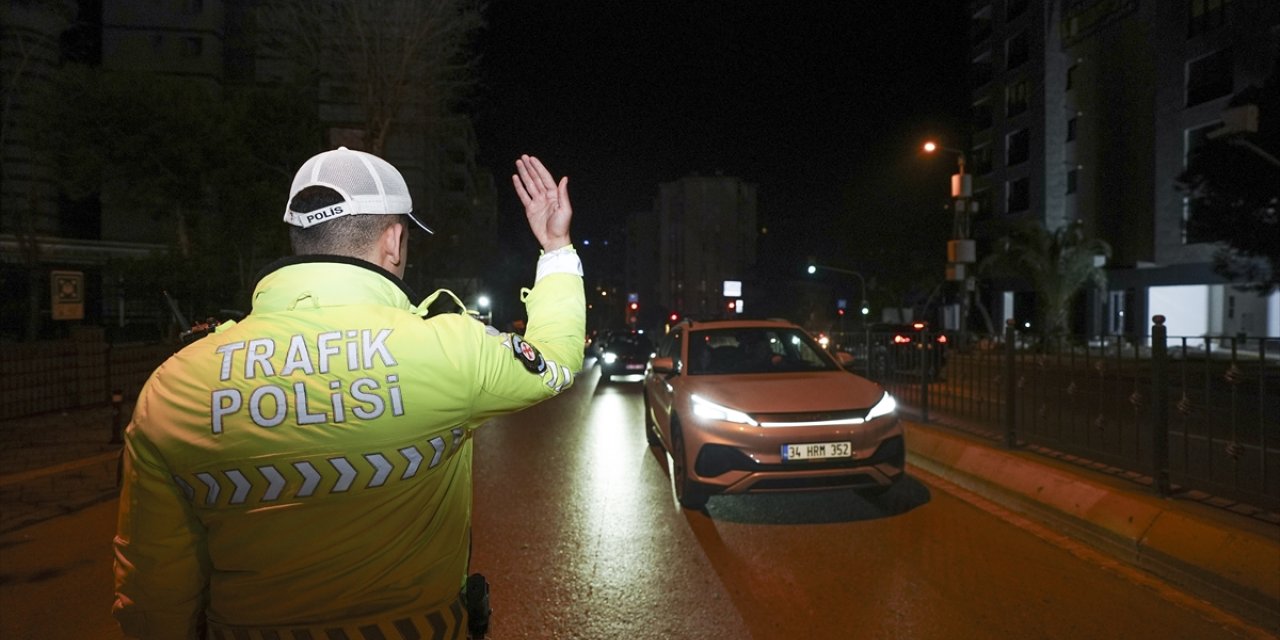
(476,598)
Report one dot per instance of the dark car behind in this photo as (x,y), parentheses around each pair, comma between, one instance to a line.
(624,354)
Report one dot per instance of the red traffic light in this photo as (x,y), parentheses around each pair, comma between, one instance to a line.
(840,311)
(673,317)
(633,306)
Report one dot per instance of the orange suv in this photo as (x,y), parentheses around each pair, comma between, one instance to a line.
(757,406)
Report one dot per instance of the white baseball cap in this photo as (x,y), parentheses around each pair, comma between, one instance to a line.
(368,185)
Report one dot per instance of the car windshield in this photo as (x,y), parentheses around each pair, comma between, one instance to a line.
(630,345)
(754,350)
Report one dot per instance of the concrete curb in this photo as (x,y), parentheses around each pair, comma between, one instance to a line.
(1229,559)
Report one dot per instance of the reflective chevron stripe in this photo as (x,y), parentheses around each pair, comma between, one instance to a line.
(273,480)
(214,487)
(382,469)
(436,443)
(447,623)
(187,489)
(414,457)
(346,474)
(312,476)
(242,485)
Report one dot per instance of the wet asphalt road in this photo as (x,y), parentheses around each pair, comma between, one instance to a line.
(577,529)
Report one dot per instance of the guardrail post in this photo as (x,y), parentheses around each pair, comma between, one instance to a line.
(1160,406)
(926,357)
(1010,385)
(117,399)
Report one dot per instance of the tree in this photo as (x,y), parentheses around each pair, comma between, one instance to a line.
(206,165)
(28,49)
(1058,264)
(393,57)
(1232,183)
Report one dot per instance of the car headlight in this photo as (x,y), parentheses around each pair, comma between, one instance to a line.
(610,357)
(886,406)
(709,410)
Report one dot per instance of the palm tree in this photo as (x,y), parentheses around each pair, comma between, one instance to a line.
(1058,263)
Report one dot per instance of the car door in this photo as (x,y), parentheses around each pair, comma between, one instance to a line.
(659,386)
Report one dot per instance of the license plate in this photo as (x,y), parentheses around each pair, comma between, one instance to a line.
(817,450)
(635,367)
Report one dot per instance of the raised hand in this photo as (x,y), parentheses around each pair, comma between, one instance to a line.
(546,204)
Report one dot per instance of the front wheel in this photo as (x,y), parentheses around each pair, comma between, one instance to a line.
(650,425)
(688,493)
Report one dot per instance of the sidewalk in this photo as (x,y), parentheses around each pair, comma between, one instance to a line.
(1229,558)
(57,463)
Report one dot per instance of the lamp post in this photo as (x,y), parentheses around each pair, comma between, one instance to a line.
(483,303)
(961,250)
(863,309)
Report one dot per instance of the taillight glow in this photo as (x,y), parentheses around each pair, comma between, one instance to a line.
(942,339)
(901,339)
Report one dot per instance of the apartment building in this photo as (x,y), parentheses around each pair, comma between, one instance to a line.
(217,44)
(1088,109)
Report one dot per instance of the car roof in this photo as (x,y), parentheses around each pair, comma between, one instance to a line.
(908,326)
(694,325)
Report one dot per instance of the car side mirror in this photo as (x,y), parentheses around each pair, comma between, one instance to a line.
(664,365)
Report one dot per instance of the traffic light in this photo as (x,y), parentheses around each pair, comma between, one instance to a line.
(840,312)
(633,306)
(673,317)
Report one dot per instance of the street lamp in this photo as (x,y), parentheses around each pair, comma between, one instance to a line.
(961,189)
(483,303)
(864,309)
(961,250)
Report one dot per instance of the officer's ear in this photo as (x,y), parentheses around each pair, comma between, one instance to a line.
(393,248)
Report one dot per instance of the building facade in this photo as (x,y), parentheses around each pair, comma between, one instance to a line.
(215,44)
(706,235)
(1087,110)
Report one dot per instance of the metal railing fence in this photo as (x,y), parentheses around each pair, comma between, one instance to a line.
(64,375)
(1190,412)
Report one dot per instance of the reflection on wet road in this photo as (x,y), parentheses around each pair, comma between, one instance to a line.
(578,531)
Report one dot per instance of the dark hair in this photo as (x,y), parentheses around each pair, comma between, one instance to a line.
(346,236)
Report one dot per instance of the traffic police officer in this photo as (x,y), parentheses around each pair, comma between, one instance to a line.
(306,472)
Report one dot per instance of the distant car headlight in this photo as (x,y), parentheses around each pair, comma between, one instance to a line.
(886,406)
(610,357)
(709,410)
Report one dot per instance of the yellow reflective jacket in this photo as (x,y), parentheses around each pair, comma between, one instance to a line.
(310,467)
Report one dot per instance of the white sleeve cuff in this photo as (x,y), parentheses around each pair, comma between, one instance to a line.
(563,260)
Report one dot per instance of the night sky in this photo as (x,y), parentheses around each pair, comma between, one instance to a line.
(821,104)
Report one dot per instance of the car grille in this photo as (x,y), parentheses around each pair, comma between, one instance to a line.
(810,417)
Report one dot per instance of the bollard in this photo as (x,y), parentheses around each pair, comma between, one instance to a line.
(1160,406)
(1010,386)
(117,399)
